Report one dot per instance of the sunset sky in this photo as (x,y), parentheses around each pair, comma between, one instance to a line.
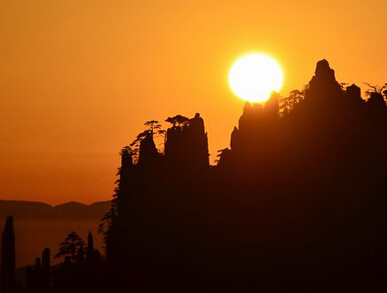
(79,78)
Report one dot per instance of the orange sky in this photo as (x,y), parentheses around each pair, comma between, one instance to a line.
(78,78)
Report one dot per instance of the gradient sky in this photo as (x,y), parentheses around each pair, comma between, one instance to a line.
(79,78)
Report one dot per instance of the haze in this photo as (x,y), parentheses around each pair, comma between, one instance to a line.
(79,78)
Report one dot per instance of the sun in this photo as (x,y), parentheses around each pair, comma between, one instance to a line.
(253,77)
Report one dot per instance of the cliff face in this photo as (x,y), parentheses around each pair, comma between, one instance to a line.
(255,124)
(323,84)
(303,191)
(152,195)
(187,145)
(148,155)
(7,270)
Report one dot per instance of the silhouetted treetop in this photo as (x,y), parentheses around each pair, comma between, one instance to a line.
(177,121)
(287,104)
(153,125)
(376,89)
(70,246)
(154,130)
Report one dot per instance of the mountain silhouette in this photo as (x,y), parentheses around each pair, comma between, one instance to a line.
(39,210)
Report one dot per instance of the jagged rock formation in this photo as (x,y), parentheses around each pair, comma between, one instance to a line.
(90,246)
(152,194)
(323,84)
(46,266)
(46,258)
(323,161)
(7,273)
(38,276)
(297,201)
(186,145)
(148,152)
(254,137)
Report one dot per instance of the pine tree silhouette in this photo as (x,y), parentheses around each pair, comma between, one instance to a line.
(70,246)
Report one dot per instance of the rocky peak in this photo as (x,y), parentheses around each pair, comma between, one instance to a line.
(126,158)
(187,145)
(323,70)
(148,150)
(353,91)
(376,100)
(323,87)
(196,124)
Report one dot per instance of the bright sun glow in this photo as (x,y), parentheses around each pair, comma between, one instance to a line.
(254,77)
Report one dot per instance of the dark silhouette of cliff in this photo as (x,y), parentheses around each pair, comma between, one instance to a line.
(296,202)
(151,199)
(46,261)
(186,146)
(312,184)
(7,273)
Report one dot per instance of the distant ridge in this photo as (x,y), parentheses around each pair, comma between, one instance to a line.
(66,211)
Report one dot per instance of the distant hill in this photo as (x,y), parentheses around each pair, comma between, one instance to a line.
(39,210)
